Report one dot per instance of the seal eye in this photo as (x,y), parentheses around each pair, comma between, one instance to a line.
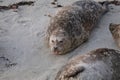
(52,41)
(61,41)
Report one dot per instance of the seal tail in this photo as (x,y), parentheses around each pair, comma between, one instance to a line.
(106,4)
(115,2)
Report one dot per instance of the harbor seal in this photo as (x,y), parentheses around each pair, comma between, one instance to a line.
(115,31)
(72,25)
(98,64)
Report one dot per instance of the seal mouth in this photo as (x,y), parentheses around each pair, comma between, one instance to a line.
(56,52)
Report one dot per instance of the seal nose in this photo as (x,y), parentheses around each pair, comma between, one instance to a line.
(55,48)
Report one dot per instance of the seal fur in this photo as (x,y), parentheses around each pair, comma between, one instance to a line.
(72,25)
(98,64)
(115,31)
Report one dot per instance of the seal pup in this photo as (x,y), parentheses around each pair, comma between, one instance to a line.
(72,24)
(98,64)
(115,31)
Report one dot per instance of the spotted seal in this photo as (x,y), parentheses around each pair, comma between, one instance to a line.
(98,64)
(72,25)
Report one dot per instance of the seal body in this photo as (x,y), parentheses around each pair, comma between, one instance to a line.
(99,64)
(115,31)
(71,26)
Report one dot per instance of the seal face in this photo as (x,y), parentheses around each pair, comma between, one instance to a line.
(98,64)
(72,25)
(115,31)
(59,42)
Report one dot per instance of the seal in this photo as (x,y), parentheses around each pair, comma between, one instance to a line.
(72,25)
(115,31)
(98,64)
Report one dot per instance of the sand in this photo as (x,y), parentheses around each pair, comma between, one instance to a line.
(23,54)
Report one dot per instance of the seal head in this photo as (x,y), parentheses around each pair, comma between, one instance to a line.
(59,42)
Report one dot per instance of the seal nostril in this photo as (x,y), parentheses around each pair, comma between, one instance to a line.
(55,48)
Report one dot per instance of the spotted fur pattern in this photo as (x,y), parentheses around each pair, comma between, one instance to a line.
(115,31)
(77,20)
(99,64)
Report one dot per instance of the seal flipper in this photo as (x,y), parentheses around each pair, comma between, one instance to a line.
(69,72)
(74,71)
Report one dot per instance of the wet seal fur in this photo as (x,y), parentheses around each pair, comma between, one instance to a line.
(98,64)
(72,25)
(115,31)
